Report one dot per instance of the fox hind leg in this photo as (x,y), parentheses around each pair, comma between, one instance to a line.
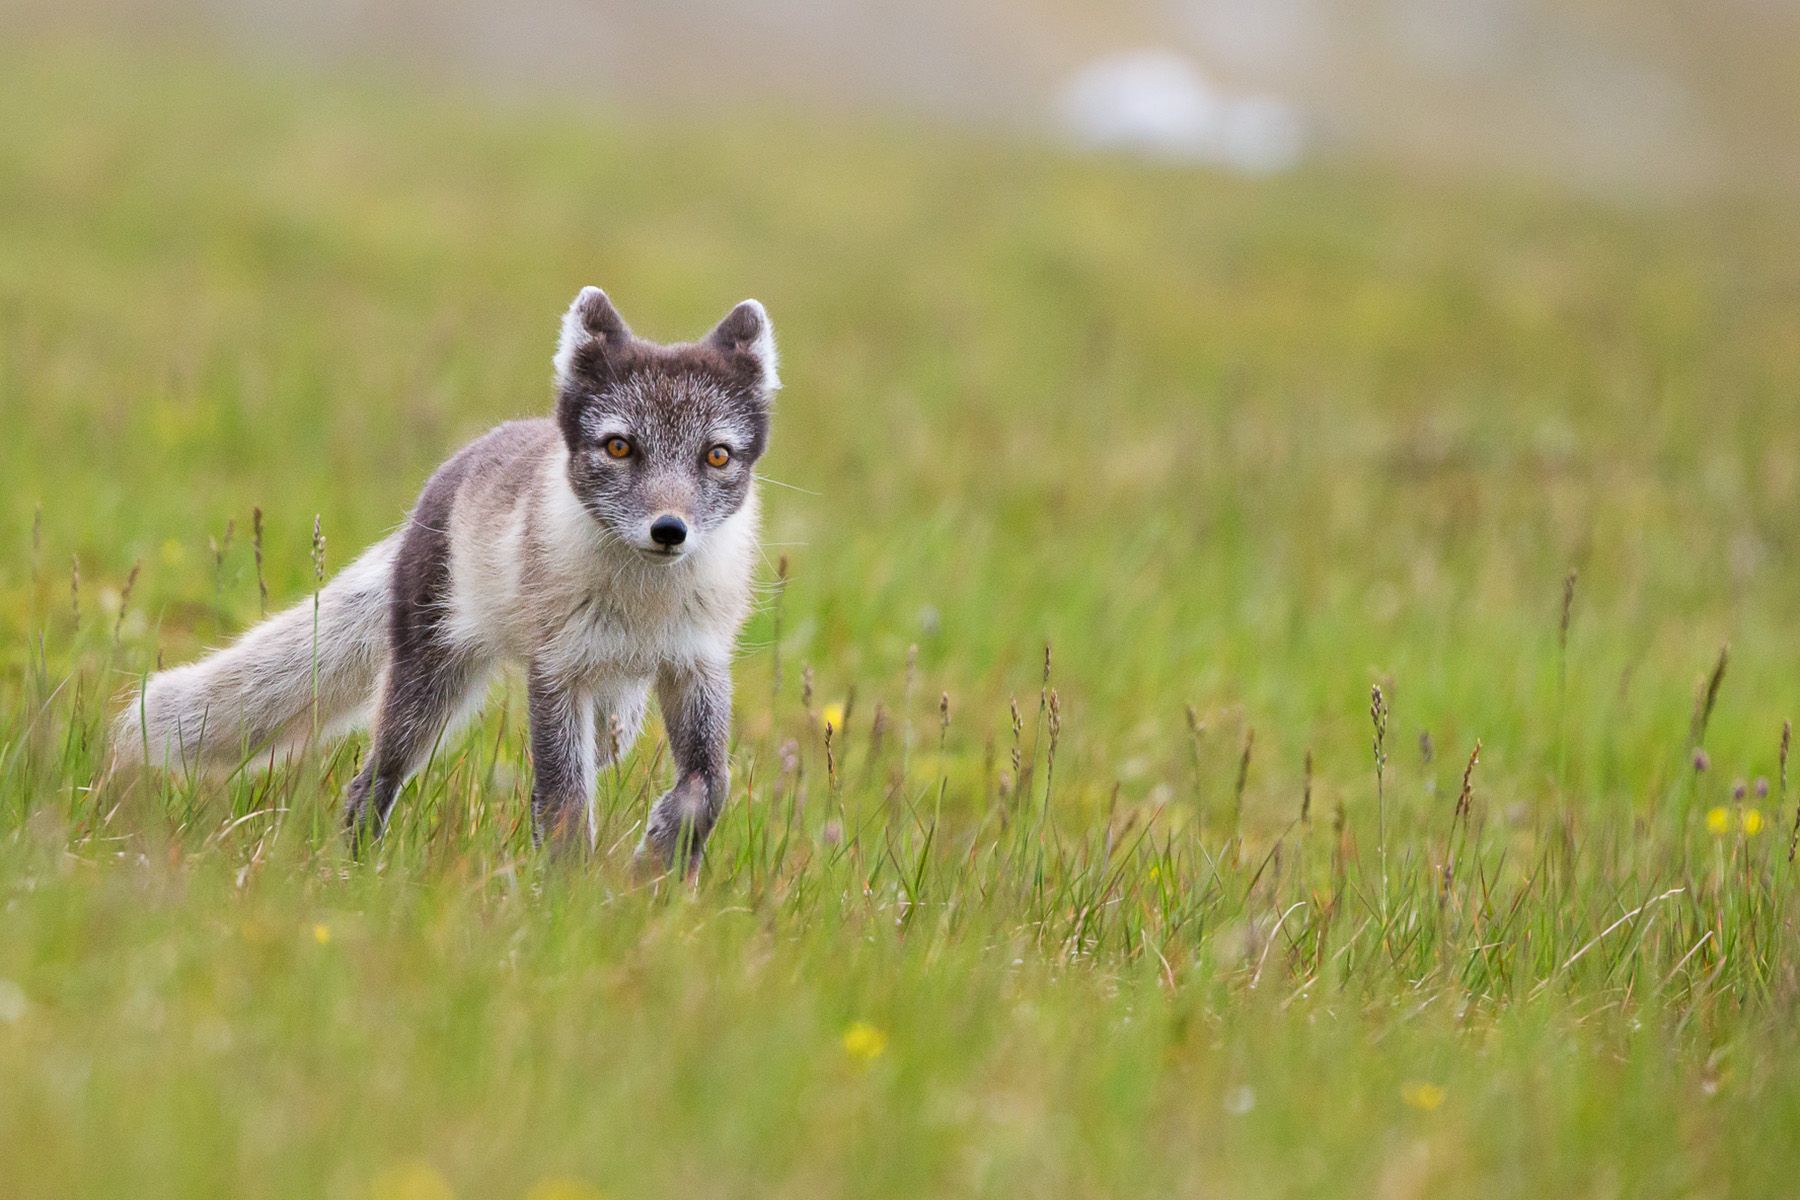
(430,676)
(421,700)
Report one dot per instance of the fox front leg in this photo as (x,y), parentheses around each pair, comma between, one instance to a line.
(696,708)
(562,762)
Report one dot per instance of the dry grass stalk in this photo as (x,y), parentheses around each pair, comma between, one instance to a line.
(1460,814)
(1306,790)
(1018,731)
(256,544)
(1378,714)
(1243,780)
(1467,793)
(1787,740)
(125,600)
(1568,612)
(1709,696)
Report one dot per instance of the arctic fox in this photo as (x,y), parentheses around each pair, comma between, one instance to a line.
(606,550)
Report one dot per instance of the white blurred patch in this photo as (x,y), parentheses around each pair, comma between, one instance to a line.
(1158,104)
(13,1004)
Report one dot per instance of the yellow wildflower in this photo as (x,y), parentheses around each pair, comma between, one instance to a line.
(1426,1097)
(322,933)
(1752,822)
(832,715)
(1718,820)
(410,1181)
(864,1042)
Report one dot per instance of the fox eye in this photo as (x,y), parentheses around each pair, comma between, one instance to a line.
(718,456)
(618,447)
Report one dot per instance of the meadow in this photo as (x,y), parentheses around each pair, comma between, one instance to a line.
(1149,554)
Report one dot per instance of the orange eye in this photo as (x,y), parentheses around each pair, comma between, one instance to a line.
(718,456)
(618,447)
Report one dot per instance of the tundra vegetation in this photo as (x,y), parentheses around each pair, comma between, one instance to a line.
(1261,688)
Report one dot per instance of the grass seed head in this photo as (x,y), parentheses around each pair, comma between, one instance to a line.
(1709,695)
(1467,794)
(125,598)
(318,550)
(1378,715)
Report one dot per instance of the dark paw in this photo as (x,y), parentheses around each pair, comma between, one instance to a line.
(677,829)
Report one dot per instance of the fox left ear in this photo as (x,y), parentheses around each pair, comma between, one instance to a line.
(746,332)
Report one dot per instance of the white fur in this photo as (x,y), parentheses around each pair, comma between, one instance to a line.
(574,334)
(764,348)
(595,610)
(257,695)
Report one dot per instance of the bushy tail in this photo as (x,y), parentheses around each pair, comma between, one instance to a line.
(256,695)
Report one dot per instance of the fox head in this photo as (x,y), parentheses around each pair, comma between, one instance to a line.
(663,440)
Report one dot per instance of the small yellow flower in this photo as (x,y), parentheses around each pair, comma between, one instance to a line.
(563,1187)
(410,1181)
(832,716)
(322,933)
(1155,873)
(864,1042)
(1752,822)
(1426,1097)
(1718,821)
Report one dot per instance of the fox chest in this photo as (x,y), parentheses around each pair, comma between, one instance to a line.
(614,632)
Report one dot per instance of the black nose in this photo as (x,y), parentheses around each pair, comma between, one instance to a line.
(668,530)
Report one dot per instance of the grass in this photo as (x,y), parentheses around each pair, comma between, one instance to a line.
(1156,910)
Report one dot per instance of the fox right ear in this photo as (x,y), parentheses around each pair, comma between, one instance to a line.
(591,321)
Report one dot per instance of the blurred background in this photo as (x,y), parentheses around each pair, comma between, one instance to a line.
(1633,100)
(1250,353)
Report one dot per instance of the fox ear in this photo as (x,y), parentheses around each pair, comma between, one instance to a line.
(590,319)
(747,334)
